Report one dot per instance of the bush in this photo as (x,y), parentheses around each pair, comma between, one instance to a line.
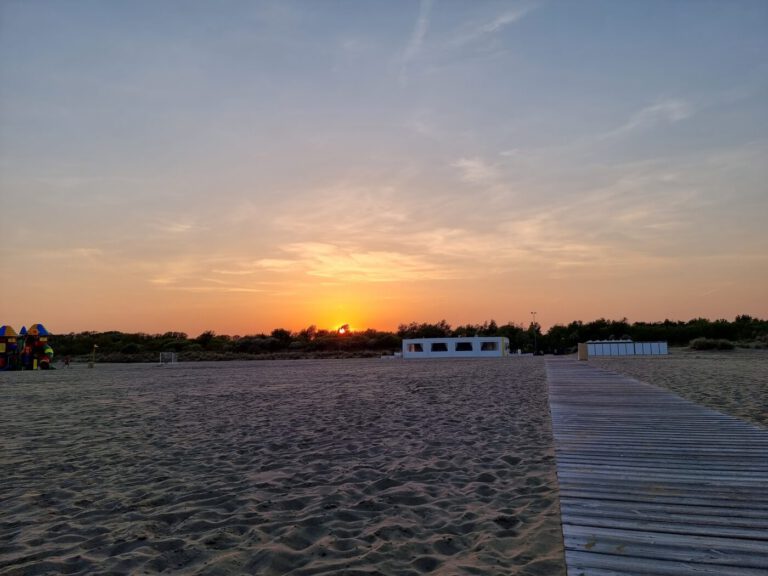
(711,344)
(130,348)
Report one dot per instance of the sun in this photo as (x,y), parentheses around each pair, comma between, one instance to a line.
(344,329)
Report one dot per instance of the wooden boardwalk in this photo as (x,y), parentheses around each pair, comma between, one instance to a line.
(651,483)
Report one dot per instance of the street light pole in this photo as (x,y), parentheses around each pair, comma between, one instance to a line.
(534,333)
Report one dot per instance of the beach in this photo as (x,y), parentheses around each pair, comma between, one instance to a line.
(301,467)
(733,381)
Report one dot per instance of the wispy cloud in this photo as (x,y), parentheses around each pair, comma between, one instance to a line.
(325,260)
(207,289)
(211,274)
(275,264)
(417,37)
(85,182)
(423,123)
(668,111)
(74,254)
(173,226)
(487,28)
(352,208)
(476,171)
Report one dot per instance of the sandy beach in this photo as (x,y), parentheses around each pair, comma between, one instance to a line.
(734,382)
(304,467)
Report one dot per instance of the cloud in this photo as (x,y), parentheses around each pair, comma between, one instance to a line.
(419,31)
(612,219)
(74,254)
(350,208)
(490,27)
(218,289)
(476,171)
(546,245)
(423,123)
(211,274)
(275,264)
(417,37)
(173,227)
(325,260)
(666,112)
(503,20)
(83,183)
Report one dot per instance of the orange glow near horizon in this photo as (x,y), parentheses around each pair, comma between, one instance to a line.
(107,303)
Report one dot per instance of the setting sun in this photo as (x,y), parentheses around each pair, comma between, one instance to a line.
(344,328)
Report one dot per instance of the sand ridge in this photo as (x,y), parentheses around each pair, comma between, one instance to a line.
(304,467)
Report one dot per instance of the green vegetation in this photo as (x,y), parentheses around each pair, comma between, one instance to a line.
(700,334)
(711,344)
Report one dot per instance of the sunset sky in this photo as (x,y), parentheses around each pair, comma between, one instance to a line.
(240,166)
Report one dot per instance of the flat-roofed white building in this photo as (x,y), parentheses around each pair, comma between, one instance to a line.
(462,347)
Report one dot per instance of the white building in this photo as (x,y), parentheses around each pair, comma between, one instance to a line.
(470,347)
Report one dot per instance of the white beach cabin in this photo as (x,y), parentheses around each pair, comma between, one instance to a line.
(469,347)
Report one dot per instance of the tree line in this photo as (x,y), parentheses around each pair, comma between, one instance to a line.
(313,342)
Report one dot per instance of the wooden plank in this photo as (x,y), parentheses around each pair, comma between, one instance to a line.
(719,498)
(723,501)
(662,454)
(592,564)
(639,467)
(671,461)
(683,548)
(626,437)
(751,532)
(651,483)
(601,474)
(595,479)
(650,510)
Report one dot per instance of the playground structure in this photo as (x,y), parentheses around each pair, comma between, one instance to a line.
(25,349)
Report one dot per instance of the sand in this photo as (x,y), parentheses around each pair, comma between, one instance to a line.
(734,382)
(303,467)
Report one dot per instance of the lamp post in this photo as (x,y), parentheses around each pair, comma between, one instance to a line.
(534,333)
(93,356)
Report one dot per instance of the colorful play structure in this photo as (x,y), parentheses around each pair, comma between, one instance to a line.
(25,350)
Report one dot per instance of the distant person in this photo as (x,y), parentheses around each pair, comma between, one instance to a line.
(66,361)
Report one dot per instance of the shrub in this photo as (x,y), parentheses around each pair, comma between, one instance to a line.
(130,348)
(711,344)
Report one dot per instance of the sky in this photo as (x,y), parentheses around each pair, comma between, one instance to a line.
(239,166)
